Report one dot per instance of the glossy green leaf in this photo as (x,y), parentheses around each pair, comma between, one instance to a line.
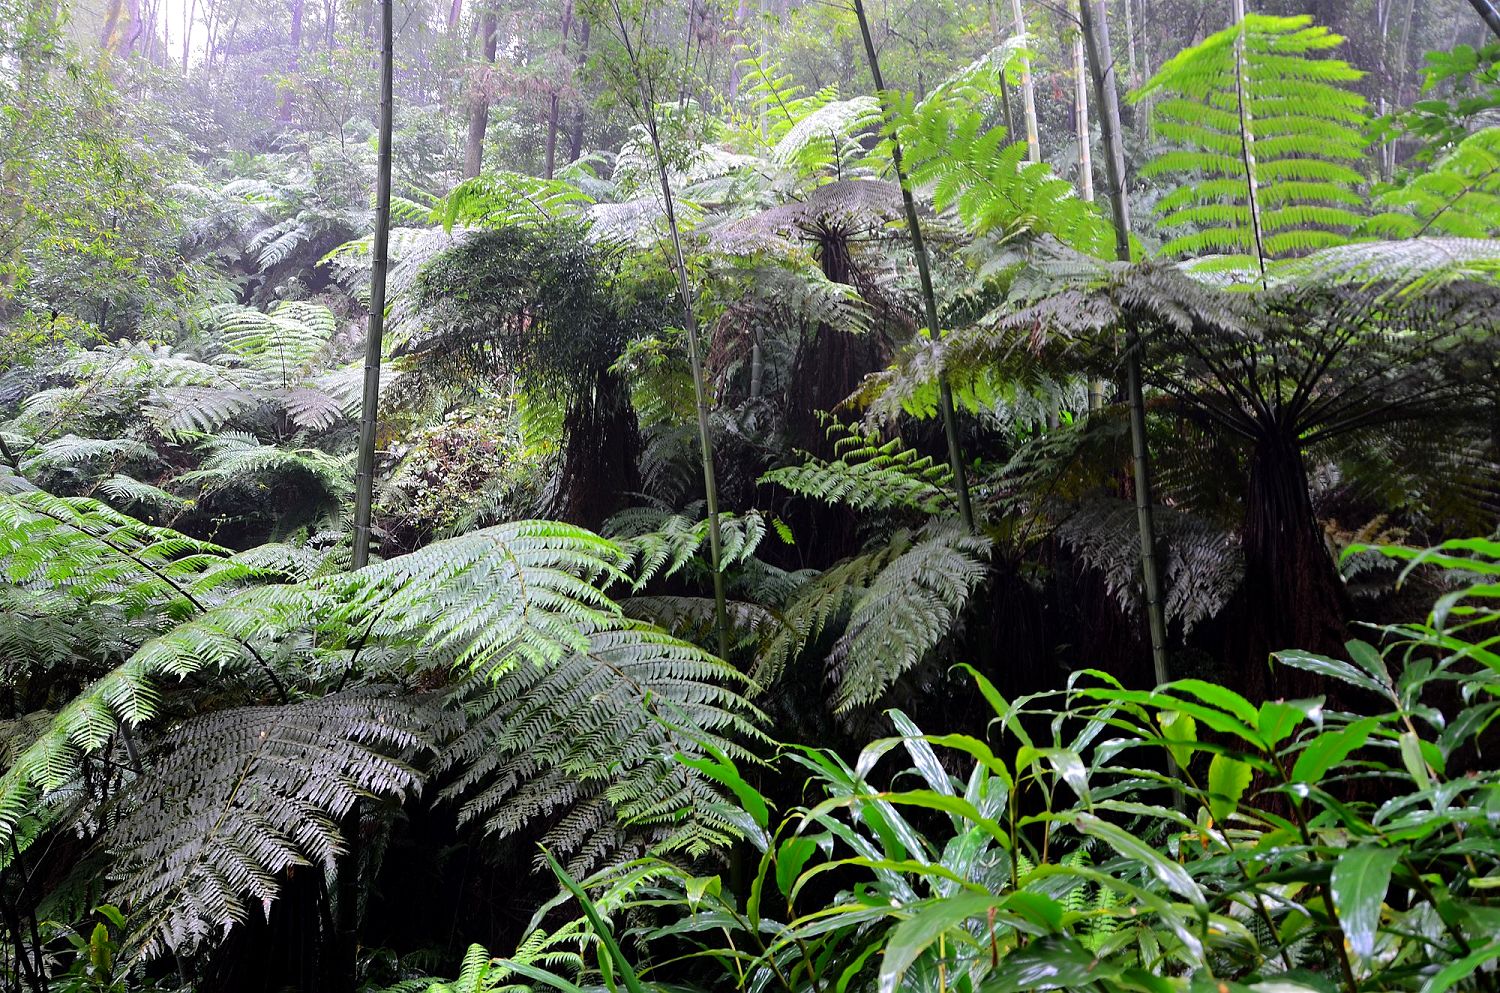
(1172,875)
(1227,781)
(1048,964)
(1328,750)
(1359,882)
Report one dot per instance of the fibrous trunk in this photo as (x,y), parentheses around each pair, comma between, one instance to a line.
(1293,593)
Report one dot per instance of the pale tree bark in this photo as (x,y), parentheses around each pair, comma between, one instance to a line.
(1095,31)
(479,101)
(554,109)
(1028,90)
(296,60)
(1081,117)
(1134,79)
(189,17)
(455,16)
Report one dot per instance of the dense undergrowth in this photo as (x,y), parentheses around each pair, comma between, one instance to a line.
(817,545)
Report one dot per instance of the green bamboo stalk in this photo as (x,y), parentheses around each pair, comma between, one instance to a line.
(364,476)
(924,276)
(1095,29)
(690,328)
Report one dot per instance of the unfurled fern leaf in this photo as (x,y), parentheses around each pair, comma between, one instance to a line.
(1265,139)
(659,544)
(870,475)
(1459,195)
(284,344)
(509,199)
(586,743)
(235,798)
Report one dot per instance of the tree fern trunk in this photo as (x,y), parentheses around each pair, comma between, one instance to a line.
(924,277)
(1293,594)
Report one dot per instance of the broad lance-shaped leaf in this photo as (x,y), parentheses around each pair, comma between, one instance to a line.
(1359,882)
(1227,781)
(1169,873)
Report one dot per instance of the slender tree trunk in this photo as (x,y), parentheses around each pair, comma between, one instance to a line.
(555,103)
(347,936)
(189,19)
(1134,78)
(234,27)
(479,106)
(690,328)
(1486,10)
(1095,32)
(1247,136)
(1081,116)
(575,143)
(330,24)
(924,278)
(1028,91)
(296,59)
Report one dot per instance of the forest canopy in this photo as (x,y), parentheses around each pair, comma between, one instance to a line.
(776,496)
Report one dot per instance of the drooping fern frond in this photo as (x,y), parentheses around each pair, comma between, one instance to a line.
(894,603)
(586,744)
(659,544)
(509,199)
(972,170)
(231,800)
(1265,139)
(235,459)
(284,345)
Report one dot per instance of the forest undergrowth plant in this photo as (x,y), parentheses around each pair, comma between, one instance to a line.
(1308,849)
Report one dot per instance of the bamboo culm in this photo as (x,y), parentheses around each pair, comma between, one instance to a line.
(924,277)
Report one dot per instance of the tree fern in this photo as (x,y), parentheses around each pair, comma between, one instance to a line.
(972,169)
(1265,142)
(230,801)
(892,605)
(586,742)
(284,345)
(1458,195)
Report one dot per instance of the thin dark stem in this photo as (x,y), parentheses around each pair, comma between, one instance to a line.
(924,276)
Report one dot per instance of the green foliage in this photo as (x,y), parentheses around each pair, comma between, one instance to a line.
(1051,851)
(952,148)
(1265,140)
(871,475)
(1459,195)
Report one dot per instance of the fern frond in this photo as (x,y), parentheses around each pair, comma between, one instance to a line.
(870,475)
(235,798)
(587,741)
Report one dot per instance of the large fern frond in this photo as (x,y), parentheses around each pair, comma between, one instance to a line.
(229,801)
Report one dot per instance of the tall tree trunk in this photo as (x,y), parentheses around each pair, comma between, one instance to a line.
(1134,79)
(455,15)
(479,99)
(189,18)
(575,142)
(1028,90)
(690,328)
(924,280)
(296,60)
(1095,32)
(555,102)
(1081,116)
